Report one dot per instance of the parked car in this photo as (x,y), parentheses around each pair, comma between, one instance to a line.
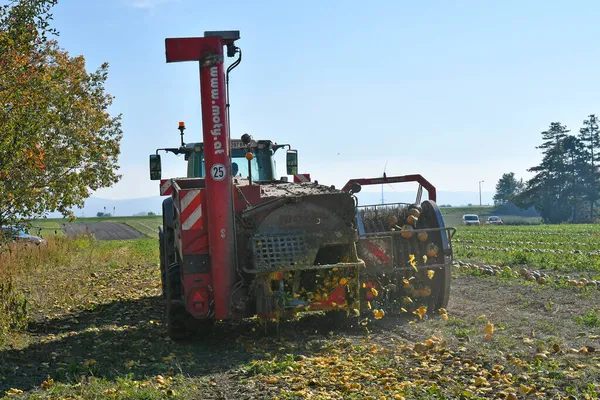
(471,219)
(494,220)
(19,235)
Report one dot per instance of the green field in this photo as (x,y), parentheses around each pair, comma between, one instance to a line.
(561,248)
(453,216)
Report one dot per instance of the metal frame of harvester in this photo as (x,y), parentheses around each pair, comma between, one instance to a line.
(232,248)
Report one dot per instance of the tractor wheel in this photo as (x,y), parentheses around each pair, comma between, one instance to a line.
(339,319)
(163,264)
(178,319)
(167,255)
(440,284)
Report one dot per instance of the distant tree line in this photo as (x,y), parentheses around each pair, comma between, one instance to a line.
(566,185)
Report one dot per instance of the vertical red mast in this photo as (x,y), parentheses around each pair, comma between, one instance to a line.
(208,51)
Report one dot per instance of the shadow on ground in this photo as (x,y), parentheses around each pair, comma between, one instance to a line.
(129,338)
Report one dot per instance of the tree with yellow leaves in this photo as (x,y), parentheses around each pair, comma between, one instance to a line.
(58,142)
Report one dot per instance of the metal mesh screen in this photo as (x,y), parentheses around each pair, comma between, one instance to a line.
(279,251)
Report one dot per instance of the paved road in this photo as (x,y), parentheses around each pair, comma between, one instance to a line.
(103,230)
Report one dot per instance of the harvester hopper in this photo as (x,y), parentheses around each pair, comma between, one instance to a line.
(407,251)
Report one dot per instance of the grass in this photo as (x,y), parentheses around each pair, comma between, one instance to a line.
(66,275)
(589,319)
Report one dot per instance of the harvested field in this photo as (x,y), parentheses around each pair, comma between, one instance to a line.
(103,230)
(505,335)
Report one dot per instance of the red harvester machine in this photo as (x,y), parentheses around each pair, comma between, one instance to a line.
(236,241)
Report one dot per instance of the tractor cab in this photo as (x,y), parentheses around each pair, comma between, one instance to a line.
(250,159)
(261,165)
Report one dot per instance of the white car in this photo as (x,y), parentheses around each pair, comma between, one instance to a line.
(471,219)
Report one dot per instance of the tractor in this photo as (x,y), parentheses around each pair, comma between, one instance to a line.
(236,241)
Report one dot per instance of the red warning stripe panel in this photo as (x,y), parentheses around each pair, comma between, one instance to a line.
(166,187)
(298,178)
(191,210)
(377,251)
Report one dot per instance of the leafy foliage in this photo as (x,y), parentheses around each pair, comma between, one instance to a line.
(506,188)
(565,177)
(58,142)
(589,135)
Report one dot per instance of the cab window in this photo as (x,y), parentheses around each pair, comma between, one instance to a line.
(262,164)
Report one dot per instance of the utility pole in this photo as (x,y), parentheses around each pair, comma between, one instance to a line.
(480,193)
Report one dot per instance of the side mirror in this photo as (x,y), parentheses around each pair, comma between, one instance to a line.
(155,167)
(292,162)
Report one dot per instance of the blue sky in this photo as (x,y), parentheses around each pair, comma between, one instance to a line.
(457,91)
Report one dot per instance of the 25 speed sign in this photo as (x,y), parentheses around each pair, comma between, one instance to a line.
(217,172)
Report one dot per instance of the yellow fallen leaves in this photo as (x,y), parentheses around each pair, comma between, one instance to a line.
(444,314)
(412,262)
(481,381)
(489,331)
(47,384)
(374,291)
(378,314)
(430,273)
(420,311)
(271,380)
(524,389)
(344,368)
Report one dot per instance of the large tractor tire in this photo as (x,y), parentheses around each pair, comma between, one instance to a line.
(163,263)
(166,237)
(179,321)
(167,255)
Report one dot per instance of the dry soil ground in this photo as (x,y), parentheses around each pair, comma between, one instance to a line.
(127,337)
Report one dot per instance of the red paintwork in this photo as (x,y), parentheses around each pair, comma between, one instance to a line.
(192,49)
(338,296)
(298,178)
(219,201)
(394,179)
(377,252)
